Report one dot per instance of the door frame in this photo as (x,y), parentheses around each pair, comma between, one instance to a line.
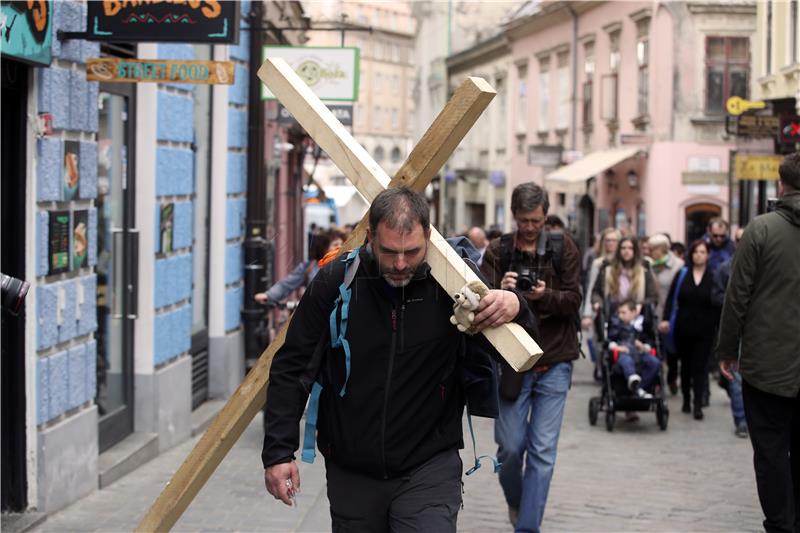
(115,426)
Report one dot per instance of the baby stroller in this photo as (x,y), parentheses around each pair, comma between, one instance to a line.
(615,394)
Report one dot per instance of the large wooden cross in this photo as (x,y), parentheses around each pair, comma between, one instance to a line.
(449,270)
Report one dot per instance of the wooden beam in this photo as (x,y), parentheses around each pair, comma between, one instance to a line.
(513,343)
(458,116)
(436,146)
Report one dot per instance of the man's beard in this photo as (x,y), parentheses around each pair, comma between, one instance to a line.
(398,282)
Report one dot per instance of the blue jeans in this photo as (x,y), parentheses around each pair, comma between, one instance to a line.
(529,427)
(648,368)
(737,404)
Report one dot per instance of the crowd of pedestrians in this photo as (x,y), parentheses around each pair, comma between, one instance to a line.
(392,463)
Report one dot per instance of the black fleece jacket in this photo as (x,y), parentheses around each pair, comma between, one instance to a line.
(405,395)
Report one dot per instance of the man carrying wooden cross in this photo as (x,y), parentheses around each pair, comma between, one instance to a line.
(394,376)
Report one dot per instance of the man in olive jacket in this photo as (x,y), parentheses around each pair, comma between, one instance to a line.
(760,333)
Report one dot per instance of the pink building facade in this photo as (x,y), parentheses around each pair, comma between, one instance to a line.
(618,109)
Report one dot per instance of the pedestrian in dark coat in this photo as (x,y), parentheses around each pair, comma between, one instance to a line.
(695,325)
(392,397)
(760,335)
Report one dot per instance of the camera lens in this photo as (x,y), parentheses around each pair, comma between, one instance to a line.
(13,292)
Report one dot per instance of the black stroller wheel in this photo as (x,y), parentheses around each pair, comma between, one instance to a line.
(610,419)
(662,415)
(594,408)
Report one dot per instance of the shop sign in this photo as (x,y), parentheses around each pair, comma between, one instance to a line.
(790,129)
(757,126)
(757,167)
(115,69)
(199,21)
(545,155)
(342,112)
(737,105)
(331,72)
(704,178)
(26,30)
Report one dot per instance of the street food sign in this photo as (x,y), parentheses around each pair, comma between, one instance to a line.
(114,69)
(757,167)
(193,21)
(26,31)
(331,72)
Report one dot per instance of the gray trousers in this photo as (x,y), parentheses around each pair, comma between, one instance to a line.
(427,499)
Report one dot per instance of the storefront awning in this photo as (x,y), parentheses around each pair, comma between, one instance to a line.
(571,178)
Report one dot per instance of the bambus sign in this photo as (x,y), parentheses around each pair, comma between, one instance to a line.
(118,70)
(188,21)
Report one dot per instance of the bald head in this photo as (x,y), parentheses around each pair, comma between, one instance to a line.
(477,237)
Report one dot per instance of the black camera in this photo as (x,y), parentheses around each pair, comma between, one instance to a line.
(527,279)
(13,292)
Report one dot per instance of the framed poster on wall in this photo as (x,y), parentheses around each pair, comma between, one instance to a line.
(167,223)
(71,170)
(58,238)
(80,241)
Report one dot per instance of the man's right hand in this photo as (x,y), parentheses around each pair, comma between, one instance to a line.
(586,323)
(261,297)
(728,367)
(663,327)
(275,477)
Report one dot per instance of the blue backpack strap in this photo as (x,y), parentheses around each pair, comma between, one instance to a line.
(310,434)
(338,331)
(497,465)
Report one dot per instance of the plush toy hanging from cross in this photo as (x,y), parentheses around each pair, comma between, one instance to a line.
(447,267)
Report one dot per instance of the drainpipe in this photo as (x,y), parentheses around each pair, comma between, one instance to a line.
(574,47)
(255,245)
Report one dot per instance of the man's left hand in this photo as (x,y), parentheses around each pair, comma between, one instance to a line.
(496,308)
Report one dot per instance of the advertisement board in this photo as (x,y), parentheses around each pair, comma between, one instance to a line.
(118,70)
(331,72)
(200,21)
(27,31)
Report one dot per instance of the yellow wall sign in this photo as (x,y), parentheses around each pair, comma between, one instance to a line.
(757,167)
(118,70)
(737,106)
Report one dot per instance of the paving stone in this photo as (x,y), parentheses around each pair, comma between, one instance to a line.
(695,476)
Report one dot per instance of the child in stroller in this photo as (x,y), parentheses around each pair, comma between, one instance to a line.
(631,343)
(631,368)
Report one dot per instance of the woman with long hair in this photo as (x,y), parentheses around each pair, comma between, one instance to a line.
(695,323)
(627,277)
(605,249)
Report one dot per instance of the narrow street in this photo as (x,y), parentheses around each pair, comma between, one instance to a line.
(696,476)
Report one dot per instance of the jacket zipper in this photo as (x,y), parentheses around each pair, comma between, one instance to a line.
(386,391)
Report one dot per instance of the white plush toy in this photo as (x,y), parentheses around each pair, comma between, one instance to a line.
(465,305)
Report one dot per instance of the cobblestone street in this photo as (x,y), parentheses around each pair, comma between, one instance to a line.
(696,476)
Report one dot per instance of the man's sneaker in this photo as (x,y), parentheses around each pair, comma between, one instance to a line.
(741,430)
(633,382)
(643,394)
